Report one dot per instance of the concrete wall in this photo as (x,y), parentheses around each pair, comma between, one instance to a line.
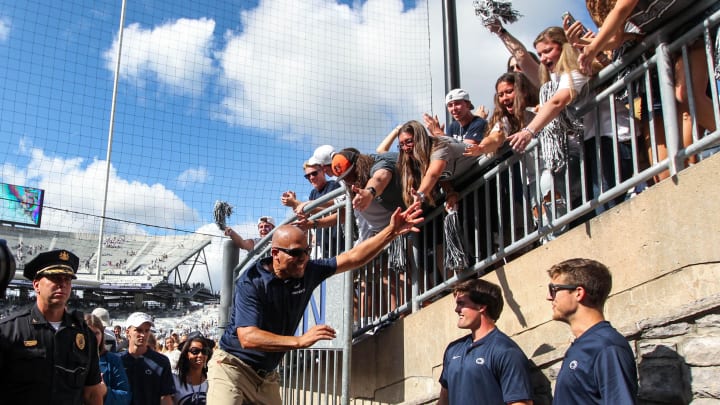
(663,248)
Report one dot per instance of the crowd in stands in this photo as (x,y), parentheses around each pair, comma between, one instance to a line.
(577,158)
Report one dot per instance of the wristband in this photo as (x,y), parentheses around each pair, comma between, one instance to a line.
(421,196)
(372,191)
(530,131)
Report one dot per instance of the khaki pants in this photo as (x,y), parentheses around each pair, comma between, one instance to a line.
(232,382)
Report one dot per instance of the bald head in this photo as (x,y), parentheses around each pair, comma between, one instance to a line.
(288,234)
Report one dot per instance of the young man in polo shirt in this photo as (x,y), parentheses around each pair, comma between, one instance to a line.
(486,366)
(599,367)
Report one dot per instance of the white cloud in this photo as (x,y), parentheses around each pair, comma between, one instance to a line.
(193,175)
(71,182)
(4,28)
(177,54)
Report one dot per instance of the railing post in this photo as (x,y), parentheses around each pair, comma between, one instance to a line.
(231,256)
(669,106)
(349,291)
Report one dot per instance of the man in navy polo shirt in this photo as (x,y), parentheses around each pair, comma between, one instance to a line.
(599,367)
(486,366)
(270,298)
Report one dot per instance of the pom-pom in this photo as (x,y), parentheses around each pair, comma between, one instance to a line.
(455,258)
(221,212)
(491,12)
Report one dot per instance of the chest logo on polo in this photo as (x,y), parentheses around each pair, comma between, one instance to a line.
(480,361)
(298,288)
(80,341)
(30,343)
(573,365)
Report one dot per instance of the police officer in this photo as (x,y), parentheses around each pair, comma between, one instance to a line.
(47,354)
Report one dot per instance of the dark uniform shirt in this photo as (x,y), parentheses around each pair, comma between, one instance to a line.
(40,365)
(273,305)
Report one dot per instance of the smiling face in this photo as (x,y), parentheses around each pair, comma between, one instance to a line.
(506,96)
(287,265)
(469,313)
(197,355)
(316,176)
(549,53)
(460,110)
(264,228)
(406,142)
(53,291)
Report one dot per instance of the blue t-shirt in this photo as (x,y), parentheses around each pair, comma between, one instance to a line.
(327,238)
(493,370)
(599,368)
(273,305)
(475,130)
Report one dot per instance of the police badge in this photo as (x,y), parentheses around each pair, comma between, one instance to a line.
(80,341)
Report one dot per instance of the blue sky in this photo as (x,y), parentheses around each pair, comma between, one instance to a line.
(219,100)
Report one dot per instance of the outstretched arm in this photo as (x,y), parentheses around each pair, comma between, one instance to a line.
(400,224)
(254,338)
(612,28)
(548,111)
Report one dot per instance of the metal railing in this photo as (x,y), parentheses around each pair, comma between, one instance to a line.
(501,209)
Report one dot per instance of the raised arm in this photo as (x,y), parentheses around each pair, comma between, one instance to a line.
(530,67)
(384,145)
(240,243)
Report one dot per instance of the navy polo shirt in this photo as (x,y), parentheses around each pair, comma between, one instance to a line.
(599,368)
(493,370)
(273,305)
(475,130)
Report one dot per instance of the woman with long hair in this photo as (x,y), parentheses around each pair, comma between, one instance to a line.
(560,133)
(111,367)
(425,161)
(191,379)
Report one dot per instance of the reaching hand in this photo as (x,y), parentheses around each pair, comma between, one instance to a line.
(405,221)
(520,140)
(451,202)
(362,199)
(474,150)
(494,25)
(315,334)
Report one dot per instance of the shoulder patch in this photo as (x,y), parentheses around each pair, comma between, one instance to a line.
(30,343)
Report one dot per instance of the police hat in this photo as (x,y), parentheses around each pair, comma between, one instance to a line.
(52,262)
(7,267)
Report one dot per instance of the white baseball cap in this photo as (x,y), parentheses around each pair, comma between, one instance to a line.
(267,219)
(136,319)
(321,156)
(457,94)
(103,315)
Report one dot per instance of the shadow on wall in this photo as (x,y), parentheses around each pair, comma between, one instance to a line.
(665,378)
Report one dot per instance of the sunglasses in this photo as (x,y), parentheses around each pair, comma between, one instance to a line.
(196,350)
(297,252)
(311,174)
(554,288)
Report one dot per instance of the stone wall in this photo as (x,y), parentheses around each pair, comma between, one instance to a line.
(662,249)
